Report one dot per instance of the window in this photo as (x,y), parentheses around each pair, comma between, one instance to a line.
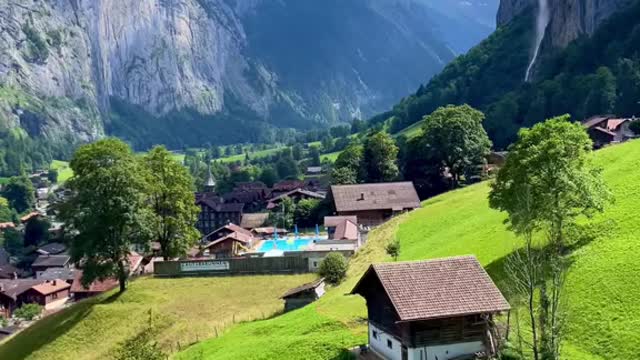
(389,344)
(374,333)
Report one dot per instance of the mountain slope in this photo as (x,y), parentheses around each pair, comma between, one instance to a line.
(601,287)
(567,76)
(194,71)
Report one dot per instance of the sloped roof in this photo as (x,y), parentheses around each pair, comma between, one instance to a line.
(51,286)
(308,193)
(13,288)
(218,206)
(346,230)
(52,260)
(56,273)
(333,221)
(287,185)
(242,238)
(7,271)
(52,248)
(303,288)
(395,196)
(449,287)
(29,216)
(613,124)
(251,221)
(595,120)
(95,287)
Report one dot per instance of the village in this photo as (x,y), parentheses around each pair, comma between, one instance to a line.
(436,309)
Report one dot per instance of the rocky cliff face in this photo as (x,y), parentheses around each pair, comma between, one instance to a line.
(63,63)
(569,18)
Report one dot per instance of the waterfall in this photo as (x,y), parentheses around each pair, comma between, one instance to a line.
(542,21)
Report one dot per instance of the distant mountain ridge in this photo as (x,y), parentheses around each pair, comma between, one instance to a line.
(185,72)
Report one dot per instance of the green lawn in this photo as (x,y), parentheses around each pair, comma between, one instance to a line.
(411,131)
(602,286)
(64,171)
(252,155)
(192,309)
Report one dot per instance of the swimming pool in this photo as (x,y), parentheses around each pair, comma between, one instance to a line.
(285,245)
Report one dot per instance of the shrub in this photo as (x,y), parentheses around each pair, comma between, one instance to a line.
(141,347)
(393,249)
(28,312)
(38,50)
(334,268)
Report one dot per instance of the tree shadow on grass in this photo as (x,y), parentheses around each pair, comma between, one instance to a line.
(45,331)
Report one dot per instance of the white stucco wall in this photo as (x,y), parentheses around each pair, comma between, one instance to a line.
(445,352)
(380,345)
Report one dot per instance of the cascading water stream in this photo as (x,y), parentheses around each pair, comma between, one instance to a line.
(542,21)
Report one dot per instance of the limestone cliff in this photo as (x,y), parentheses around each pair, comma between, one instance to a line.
(65,63)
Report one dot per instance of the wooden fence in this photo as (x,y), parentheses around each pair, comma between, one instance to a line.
(237,266)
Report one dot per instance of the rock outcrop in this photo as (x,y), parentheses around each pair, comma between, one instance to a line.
(286,62)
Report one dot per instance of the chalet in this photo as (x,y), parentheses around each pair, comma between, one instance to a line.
(374,204)
(268,232)
(296,195)
(303,295)
(50,294)
(253,220)
(342,227)
(252,200)
(215,213)
(228,246)
(438,309)
(227,230)
(44,262)
(284,186)
(605,130)
(14,293)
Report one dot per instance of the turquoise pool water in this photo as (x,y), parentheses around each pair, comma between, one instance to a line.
(285,245)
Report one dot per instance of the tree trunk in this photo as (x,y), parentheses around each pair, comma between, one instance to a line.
(122,276)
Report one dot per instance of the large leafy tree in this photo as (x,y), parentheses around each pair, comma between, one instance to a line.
(171,197)
(20,193)
(548,181)
(380,158)
(454,138)
(348,166)
(108,209)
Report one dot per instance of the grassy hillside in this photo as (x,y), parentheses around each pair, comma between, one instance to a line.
(602,285)
(64,171)
(190,308)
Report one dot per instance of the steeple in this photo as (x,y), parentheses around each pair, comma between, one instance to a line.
(210,185)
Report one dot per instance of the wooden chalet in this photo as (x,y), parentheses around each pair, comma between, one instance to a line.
(303,295)
(15,293)
(225,230)
(439,309)
(296,195)
(214,213)
(605,130)
(374,204)
(227,246)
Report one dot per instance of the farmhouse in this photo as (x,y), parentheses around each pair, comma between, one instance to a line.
(439,309)
(296,195)
(374,204)
(605,130)
(303,295)
(15,293)
(228,246)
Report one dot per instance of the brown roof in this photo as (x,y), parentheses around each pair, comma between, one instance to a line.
(217,206)
(595,120)
(605,131)
(613,124)
(235,236)
(333,221)
(288,185)
(251,221)
(302,288)
(7,225)
(50,287)
(7,271)
(299,191)
(52,260)
(233,228)
(440,288)
(13,288)
(346,230)
(95,287)
(395,196)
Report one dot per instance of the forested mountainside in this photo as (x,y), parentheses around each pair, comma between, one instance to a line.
(588,64)
(187,72)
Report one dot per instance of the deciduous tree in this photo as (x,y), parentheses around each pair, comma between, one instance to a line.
(108,209)
(453,137)
(547,182)
(171,197)
(20,193)
(380,158)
